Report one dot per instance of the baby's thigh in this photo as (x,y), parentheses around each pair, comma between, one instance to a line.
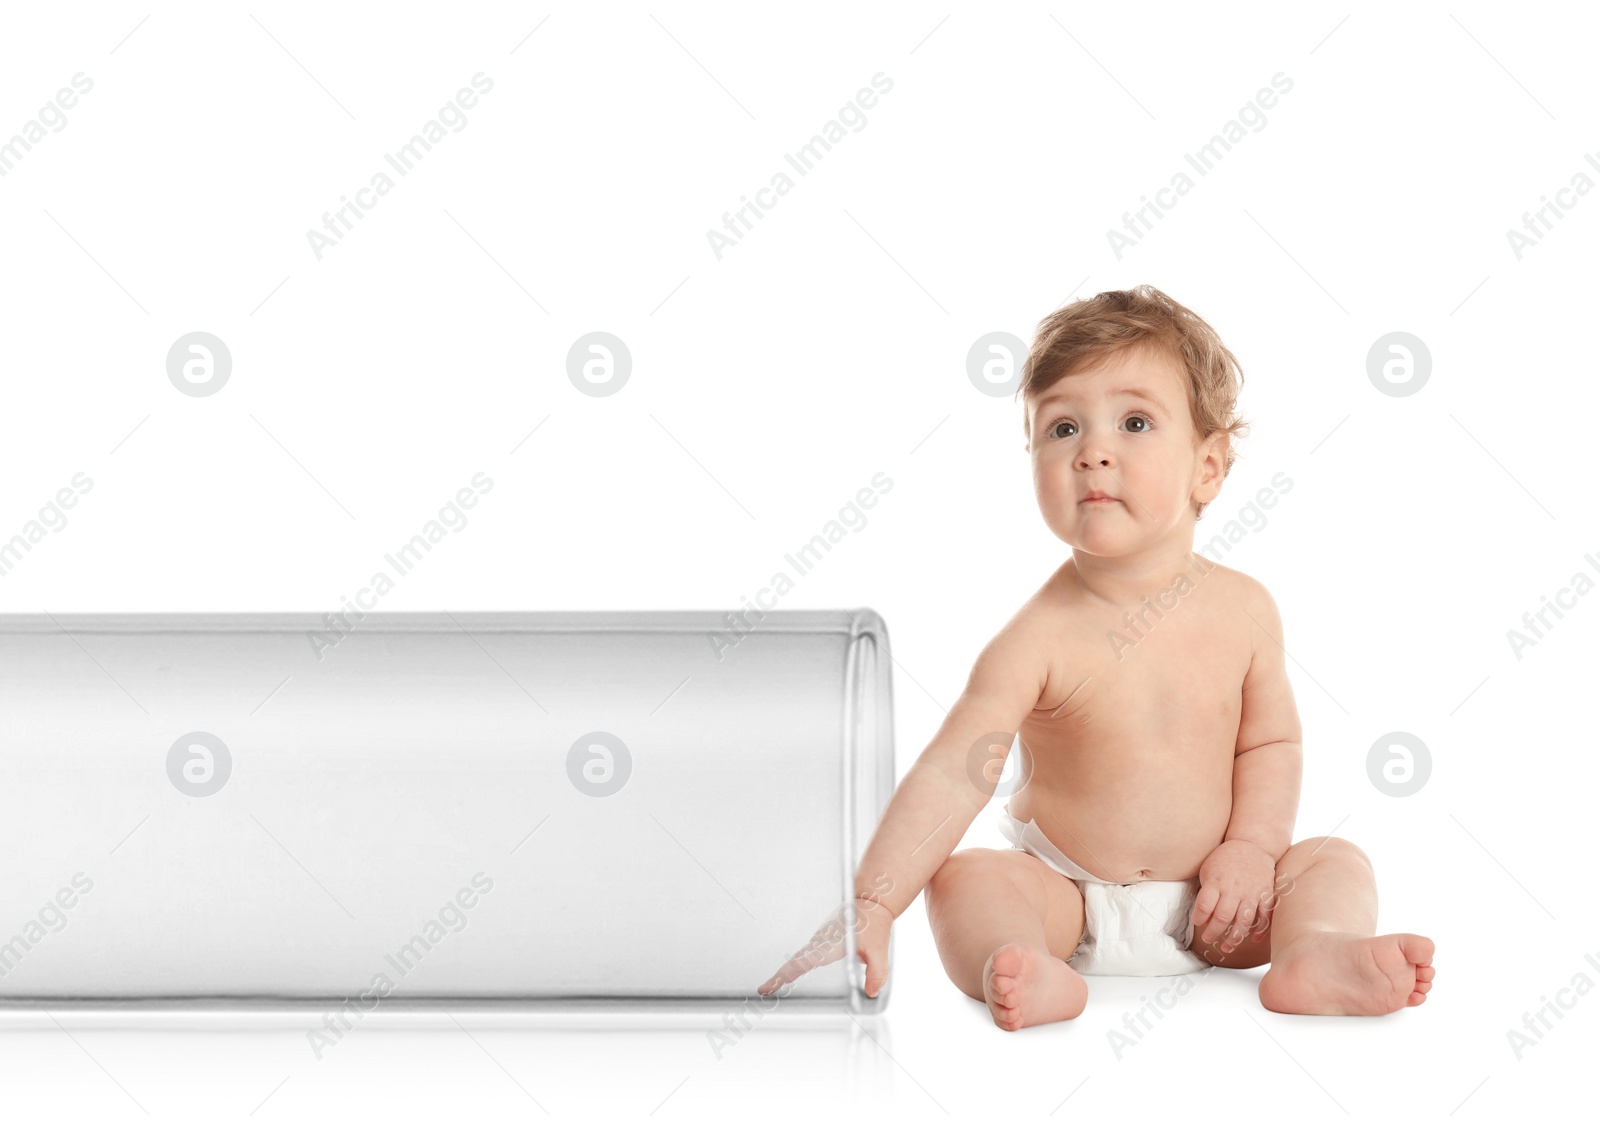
(980,888)
(1063,910)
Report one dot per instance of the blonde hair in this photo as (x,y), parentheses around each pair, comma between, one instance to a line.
(1084,333)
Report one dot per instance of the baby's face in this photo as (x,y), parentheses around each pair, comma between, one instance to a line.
(1123,430)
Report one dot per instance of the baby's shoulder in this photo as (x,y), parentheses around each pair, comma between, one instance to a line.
(1243,598)
(1206,568)
(1236,584)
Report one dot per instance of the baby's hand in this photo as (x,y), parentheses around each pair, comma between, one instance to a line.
(872,922)
(1236,880)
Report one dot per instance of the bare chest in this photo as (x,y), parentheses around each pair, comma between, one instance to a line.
(1133,678)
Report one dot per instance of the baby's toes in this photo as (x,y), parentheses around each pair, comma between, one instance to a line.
(1424,983)
(1418,949)
(1003,991)
(1005,1007)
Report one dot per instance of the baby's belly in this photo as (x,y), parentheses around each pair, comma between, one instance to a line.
(1150,818)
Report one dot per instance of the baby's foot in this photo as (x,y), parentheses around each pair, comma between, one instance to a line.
(1024,986)
(1337,974)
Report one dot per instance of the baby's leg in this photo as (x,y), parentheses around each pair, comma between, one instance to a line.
(1005,923)
(1325,957)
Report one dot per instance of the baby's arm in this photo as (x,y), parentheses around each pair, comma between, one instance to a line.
(936,801)
(1236,892)
(954,778)
(1267,759)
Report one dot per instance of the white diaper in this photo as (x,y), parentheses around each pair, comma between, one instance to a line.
(1140,928)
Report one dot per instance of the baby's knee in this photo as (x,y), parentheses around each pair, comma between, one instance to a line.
(963,866)
(1345,850)
(1324,849)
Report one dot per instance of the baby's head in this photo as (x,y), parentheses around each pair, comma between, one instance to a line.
(1162,453)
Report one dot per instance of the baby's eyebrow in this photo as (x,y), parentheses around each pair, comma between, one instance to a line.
(1146,394)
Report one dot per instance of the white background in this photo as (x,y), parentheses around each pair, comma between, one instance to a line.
(769,386)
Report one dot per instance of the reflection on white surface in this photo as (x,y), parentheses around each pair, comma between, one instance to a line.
(567,1066)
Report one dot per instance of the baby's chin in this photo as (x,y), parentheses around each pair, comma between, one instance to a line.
(1109,534)
(1104,543)
(1105,535)
(1109,552)
(1101,544)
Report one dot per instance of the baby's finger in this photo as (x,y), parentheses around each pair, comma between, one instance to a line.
(801,963)
(787,973)
(776,982)
(819,952)
(876,958)
(1243,920)
(1204,904)
(1220,920)
(1259,923)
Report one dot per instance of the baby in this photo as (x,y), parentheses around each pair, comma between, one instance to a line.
(1152,813)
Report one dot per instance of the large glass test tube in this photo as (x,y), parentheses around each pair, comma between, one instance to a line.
(598,809)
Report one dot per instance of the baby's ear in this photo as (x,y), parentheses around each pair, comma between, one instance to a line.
(1215,447)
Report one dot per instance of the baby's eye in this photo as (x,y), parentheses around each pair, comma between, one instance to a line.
(1143,420)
